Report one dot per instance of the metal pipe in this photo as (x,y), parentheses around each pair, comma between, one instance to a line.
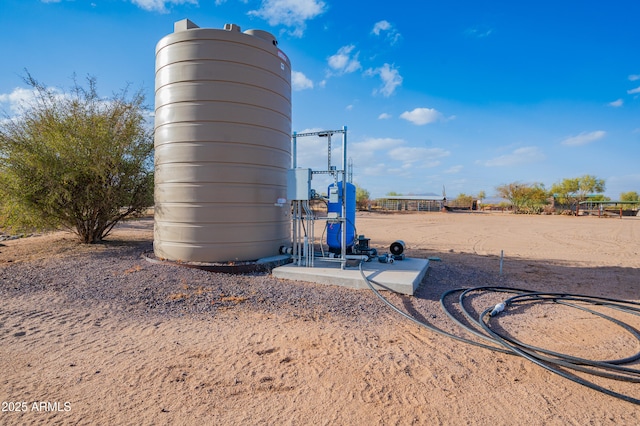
(329,151)
(357,257)
(309,238)
(343,230)
(294,158)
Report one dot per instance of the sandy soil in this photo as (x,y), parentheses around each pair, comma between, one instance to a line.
(96,335)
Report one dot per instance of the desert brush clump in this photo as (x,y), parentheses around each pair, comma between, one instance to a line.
(75,160)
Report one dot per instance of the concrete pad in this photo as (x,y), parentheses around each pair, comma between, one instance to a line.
(402,276)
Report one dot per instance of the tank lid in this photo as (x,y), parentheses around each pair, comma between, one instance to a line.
(183,25)
(263,35)
(232,27)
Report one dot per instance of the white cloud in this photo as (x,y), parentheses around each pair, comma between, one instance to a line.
(343,62)
(369,151)
(377,144)
(51,1)
(454,169)
(384,116)
(392,35)
(634,91)
(160,5)
(524,155)
(390,77)
(584,138)
(17,99)
(424,157)
(634,77)
(312,150)
(22,98)
(290,13)
(422,116)
(617,103)
(299,81)
(312,130)
(379,169)
(479,32)
(381,26)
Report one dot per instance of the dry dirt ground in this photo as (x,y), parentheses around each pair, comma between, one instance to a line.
(97,335)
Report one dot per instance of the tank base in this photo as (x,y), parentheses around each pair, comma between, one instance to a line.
(261,265)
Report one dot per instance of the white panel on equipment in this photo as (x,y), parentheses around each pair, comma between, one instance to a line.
(299,184)
(334,197)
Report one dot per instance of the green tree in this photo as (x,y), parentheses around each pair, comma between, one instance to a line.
(75,160)
(393,194)
(362,198)
(599,197)
(524,197)
(630,196)
(481,195)
(572,191)
(464,200)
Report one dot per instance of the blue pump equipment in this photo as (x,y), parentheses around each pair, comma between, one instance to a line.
(334,205)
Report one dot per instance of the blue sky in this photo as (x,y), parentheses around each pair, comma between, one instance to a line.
(462,94)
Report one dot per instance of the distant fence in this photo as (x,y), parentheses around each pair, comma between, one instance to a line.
(409,205)
(608,208)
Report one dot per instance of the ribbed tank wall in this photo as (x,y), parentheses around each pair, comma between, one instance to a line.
(222,145)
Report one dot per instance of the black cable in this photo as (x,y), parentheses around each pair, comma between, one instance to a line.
(549,367)
(559,359)
(545,297)
(547,359)
(421,323)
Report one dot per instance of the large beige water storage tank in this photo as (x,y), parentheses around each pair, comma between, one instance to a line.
(222,145)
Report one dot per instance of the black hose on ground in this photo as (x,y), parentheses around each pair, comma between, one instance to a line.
(550,360)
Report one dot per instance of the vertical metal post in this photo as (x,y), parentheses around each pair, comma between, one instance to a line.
(296,207)
(310,227)
(294,159)
(294,225)
(296,232)
(329,151)
(343,233)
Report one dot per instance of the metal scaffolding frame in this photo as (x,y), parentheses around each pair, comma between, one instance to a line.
(303,236)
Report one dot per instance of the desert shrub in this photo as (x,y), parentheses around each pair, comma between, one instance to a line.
(75,160)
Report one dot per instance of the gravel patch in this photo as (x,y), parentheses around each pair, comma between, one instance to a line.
(117,275)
